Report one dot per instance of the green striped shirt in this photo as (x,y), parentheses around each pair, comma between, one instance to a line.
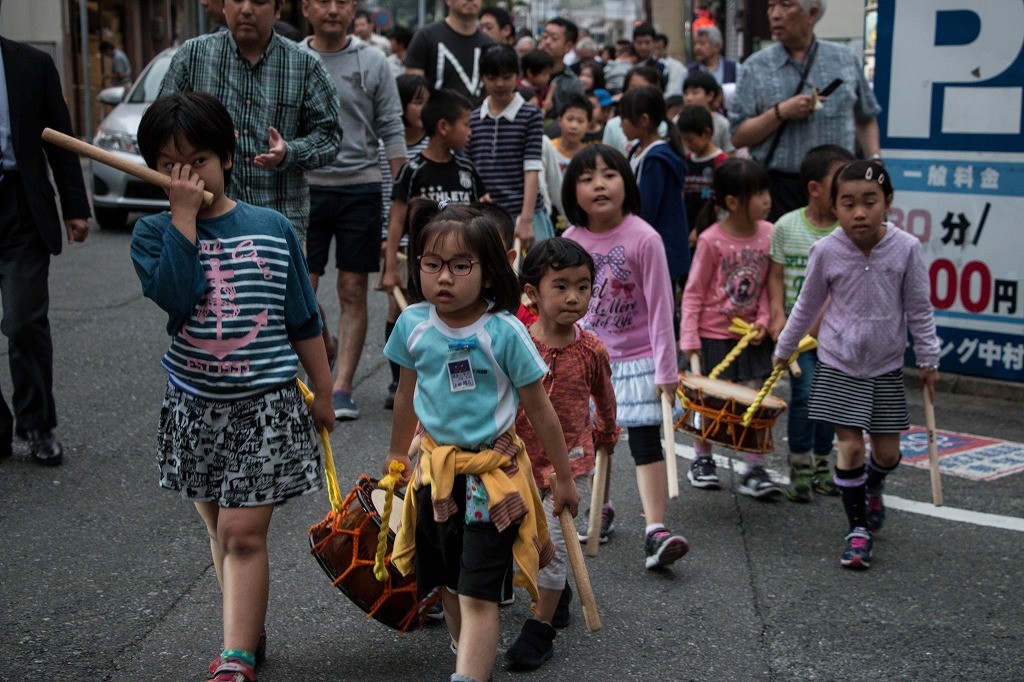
(289,89)
(791,242)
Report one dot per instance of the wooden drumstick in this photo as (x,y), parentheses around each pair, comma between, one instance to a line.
(579,566)
(93,152)
(933,448)
(602,462)
(517,246)
(399,297)
(694,364)
(794,369)
(669,433)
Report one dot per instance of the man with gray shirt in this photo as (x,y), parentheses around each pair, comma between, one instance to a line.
(345,199)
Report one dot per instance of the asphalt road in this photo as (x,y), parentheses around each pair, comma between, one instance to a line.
(104,576)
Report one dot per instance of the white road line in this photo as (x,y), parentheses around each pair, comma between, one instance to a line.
(891,501)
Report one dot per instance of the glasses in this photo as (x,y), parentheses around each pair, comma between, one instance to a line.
(432,265)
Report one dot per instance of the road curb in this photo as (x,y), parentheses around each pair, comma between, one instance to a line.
(963,384)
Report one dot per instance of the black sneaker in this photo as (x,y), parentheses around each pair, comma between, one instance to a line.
(703,474)
(561,618)
(436,611)
(758,484)
(857,553)
(534,646)
(389,402)
(607,524)
(46,449)
(876,510)
(663,548)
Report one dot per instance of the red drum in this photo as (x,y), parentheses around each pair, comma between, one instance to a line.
(345,543)
(713,410)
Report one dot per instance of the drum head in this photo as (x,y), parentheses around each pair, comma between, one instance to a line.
(727,390)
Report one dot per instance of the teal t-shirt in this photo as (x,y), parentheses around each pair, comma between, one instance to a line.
(791,241)
(466,378)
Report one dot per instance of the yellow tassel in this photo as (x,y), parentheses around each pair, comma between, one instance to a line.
(325,440)
(807,343)
(387,484)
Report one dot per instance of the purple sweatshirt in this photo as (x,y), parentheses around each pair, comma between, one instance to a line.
(873,300)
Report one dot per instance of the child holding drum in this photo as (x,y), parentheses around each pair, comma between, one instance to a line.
(876,283)
(467,363)
(558,276)
(631,312)
(728,278)
(235,437)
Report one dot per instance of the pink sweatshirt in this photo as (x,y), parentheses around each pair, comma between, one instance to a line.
(728,278)
(631,307)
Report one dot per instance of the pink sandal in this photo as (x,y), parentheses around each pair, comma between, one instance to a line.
(233,670)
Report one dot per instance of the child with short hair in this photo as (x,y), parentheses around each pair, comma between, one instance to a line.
(702,158)
(701,88)
(557,276)
(573,121)
(810,442)
(536,67)
(467,363)
(728,279)
(631,312)
(506,146)
(235,436)
(874,277)
(436,173)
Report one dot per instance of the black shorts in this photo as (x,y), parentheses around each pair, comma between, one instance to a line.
(352,216)
(471,559)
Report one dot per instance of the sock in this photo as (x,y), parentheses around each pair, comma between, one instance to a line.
(343,392)
(702,448)
(459,677)
(395,369)
(240,655)
(851,489)
(753,460)
(877,474)
(651,527)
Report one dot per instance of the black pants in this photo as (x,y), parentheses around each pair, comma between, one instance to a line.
(24,293)
(788,193)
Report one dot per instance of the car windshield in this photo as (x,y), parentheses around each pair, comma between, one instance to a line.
(147,88)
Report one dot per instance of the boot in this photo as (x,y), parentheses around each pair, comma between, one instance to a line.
(534,646)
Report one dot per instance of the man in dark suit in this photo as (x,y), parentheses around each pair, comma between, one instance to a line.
(30,100)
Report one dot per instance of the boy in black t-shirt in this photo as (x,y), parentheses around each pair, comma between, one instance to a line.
(435,173)
(702,158)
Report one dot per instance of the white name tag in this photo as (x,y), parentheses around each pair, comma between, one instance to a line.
(460,375)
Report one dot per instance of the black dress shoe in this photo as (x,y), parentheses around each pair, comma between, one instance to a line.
(5,448)
(46,449)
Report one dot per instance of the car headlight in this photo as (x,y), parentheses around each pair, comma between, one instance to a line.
(116,142)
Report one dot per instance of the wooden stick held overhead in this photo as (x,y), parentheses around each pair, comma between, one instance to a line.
(933,448)
(93,152)
(578,563)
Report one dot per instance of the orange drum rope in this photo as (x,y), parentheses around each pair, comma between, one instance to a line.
(712,418)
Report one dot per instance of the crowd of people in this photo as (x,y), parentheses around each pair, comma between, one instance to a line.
(649,203)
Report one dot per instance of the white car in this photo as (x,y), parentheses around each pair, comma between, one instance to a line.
(114,193)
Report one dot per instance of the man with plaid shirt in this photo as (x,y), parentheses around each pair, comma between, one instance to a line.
(282,100)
